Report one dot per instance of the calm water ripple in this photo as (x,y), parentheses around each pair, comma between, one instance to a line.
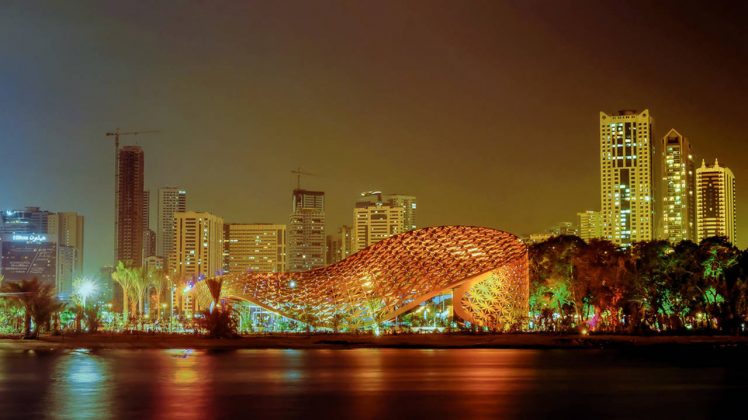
(370,383)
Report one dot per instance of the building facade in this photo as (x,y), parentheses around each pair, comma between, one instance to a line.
(715,202)
(340,245)
(170,200)
(306,231)
(28,255)
(67,229)
(678,195)
(129,225)
(28,238)
(373,222)
(258,247)
(198,246)
(626,153)
(406,202)
(590,226)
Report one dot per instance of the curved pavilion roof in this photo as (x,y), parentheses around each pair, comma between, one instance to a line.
(486,269)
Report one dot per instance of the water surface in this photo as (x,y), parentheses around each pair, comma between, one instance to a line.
(371,383)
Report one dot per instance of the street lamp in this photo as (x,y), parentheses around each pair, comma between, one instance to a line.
(86,289)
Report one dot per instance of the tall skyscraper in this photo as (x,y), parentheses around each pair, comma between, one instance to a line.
(170,200)
(198,245)
(39,243)
(129,206)
(373,220)
(340,245)
(406,202)
(678,197)
(149,236)
(590,226)
(66,228)
(715,202)
(29,220)
(306,231)
(626,152)
(258,247)
(198,252)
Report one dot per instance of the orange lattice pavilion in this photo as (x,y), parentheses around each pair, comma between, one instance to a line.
(485,270)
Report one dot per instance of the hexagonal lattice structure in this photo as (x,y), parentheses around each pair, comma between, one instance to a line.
(486,269)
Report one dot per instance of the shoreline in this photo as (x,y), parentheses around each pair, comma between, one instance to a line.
(352,341)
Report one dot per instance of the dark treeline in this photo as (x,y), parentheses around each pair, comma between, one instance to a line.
(650,287)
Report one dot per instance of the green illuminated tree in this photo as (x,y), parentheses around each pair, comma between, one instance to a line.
(38,301)
(123,276)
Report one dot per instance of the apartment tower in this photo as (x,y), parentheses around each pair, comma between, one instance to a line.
(626,152)
(715,202)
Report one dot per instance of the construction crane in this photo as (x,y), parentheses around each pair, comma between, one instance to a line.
(298,172)
(116,133)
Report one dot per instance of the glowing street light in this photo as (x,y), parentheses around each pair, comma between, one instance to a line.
(86,289)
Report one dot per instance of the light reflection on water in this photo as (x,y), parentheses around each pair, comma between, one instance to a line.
(81,386)
(365,383)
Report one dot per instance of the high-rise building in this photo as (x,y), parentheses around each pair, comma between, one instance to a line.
(406,202)
(198,253)
(29,255)
(43,244)
(106,284)
(626,152)
(340,245)
(129,206)
(678,196)
(589,225)
(153,262)
(374,220)
(66,228)
(715,202)
(306,231)
(170,200)
(29,220)
(149,236)
(258,247)
(198,245)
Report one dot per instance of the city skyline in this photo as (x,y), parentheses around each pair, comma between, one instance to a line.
(410,128)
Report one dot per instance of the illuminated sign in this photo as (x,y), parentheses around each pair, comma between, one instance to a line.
(30,238)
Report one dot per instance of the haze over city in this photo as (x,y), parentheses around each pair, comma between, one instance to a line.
(487,113)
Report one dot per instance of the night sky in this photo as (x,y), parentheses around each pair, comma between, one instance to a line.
(486,111)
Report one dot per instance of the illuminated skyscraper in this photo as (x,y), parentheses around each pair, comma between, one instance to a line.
(66,229)
(129,206)
(198,245)
(39,243)
(374,220)
(678,197)
(149,236)
(306,231)
(170,200)
(340,245)
(590,226)
(626,152)
(257,247)
(715,202)
(408,204)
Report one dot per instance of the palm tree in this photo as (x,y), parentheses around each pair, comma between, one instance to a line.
(80,312)
(25,292)
(157,279)
(123,276)
(140,283)
(93,317)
